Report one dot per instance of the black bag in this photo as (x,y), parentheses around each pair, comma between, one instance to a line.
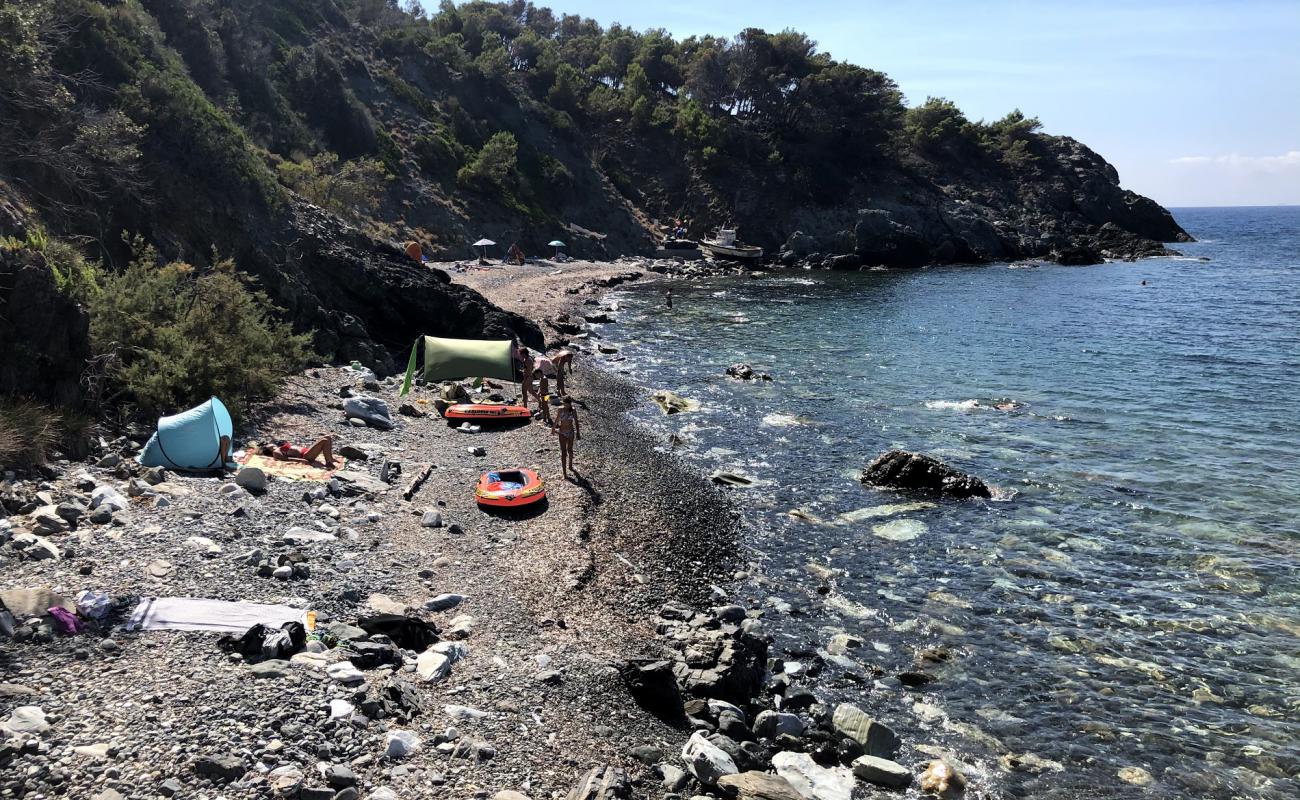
(262,642)
(408,633)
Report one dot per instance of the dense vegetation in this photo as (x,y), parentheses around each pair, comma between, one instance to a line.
(207,126)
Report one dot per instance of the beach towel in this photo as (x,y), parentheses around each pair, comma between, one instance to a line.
(292,470)
(216,616)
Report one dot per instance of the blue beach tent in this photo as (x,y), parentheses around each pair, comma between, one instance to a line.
(190,440)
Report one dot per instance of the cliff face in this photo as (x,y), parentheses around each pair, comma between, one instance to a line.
(208,128)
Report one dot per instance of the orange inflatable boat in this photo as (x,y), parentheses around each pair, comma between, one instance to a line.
(487,412)
(510,488)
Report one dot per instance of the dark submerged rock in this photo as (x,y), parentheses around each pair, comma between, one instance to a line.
(900,469)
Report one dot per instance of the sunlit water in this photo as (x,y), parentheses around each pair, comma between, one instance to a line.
(1130,601)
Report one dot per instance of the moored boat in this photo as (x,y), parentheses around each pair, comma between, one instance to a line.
(725,246)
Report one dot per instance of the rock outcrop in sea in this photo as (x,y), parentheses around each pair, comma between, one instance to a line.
(900,469)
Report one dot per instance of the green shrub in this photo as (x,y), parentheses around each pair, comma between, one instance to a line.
(349,188)
(181,336)
(28,431)
(494,165)
(73,274)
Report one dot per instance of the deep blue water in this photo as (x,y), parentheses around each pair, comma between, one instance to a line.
(1131,600)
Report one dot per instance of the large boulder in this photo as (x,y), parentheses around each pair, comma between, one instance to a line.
(653,685)
(900,469)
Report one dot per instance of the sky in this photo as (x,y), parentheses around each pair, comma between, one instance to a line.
(1195,102)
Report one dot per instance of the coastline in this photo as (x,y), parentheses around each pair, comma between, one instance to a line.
(558,602)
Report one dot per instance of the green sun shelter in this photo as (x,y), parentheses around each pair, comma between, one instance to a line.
(454,359)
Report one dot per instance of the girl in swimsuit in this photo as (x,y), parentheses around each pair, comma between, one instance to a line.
(285,451)
(568,429)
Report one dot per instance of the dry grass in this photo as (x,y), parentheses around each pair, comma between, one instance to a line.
(28,431)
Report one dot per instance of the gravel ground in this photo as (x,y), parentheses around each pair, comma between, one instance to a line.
(553,602)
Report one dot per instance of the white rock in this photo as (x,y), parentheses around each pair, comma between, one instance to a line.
(400,744)
(298,535)
(344,672)
(26,719)
(706,761)
(341,709)
(205,544)
(432,518)
(108,497)
(432,666)
(455,652)
(812,780)
(464,712)
(96,751)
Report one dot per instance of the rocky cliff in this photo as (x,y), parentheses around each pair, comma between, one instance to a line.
(240,128)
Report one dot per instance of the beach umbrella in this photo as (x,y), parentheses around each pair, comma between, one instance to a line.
(485,244)
(557,244)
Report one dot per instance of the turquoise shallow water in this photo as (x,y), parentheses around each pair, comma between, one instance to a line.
(1131,600)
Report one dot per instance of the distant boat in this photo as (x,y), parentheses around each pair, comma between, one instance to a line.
(726,246)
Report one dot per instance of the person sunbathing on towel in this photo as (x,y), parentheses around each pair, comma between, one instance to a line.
(284,451)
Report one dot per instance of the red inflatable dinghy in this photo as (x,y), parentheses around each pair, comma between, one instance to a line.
(510,488)
(487,412)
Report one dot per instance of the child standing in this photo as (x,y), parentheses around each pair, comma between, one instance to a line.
(567,427)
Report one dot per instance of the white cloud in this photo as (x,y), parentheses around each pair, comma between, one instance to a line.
(1235,161)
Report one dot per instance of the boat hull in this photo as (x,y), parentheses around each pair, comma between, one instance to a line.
(734,252)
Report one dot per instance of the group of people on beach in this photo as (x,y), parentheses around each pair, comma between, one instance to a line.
(536,373)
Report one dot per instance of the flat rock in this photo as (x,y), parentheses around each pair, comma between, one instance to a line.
(443,602)
(98,751)
(219,768)
(877,738)
(384,604)
(759,786)
(274,668)
(882,772)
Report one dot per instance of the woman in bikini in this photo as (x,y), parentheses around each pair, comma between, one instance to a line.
(567,427)
(284,451)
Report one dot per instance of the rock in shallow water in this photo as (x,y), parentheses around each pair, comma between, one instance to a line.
(881,771)
(899,469)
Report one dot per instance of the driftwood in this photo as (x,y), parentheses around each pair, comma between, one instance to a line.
(418,482)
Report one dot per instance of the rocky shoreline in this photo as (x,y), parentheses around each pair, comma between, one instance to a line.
(590,651)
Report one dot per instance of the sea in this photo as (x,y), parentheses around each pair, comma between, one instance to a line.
(1122,619)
